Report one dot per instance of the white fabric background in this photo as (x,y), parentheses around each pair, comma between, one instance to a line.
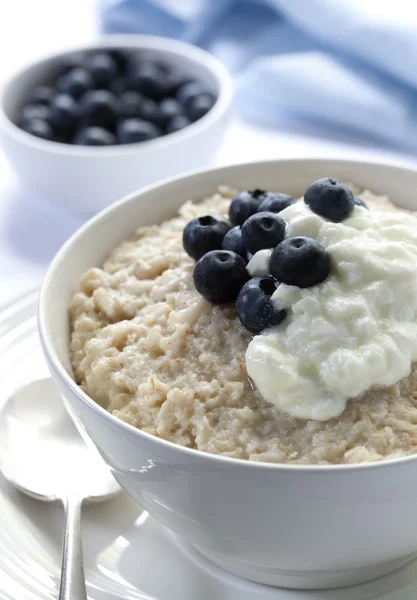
(32,231)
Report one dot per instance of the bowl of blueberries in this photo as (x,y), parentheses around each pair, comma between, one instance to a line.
(87,126)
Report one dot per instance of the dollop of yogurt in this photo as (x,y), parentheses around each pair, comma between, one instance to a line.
(354,331)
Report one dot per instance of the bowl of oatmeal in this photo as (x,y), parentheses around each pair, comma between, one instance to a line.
(280,441)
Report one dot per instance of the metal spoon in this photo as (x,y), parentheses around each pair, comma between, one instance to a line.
(43,455)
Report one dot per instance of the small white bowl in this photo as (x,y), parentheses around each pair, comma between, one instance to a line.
(288,525)
(87,179)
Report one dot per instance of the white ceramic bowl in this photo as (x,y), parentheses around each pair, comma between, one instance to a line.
(87,179)
(293,526)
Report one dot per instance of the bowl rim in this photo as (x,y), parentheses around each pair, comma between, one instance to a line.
(117,424)
(145,42)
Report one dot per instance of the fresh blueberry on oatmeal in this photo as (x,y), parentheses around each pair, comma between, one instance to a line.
(300,261)
(263,230)
(244,205)
(275,202)
(219,276)
(233,241)
(203,234)
(330,199)
(254,306)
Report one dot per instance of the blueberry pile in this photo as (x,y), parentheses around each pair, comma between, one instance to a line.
(222,248)
(113,97)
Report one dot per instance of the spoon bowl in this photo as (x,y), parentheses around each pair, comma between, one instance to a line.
(43,455)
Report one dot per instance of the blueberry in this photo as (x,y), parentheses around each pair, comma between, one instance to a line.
(64,65)
(35,111)
(203,234)
(199,106)
(132,105)
(120,57)
(330,199)
(254,306)
(263,230)
(39,128)
(177,123)
(190,91)
(64,137)
(148,110)
(244,205)
(99,108)
(169,109)
(94,136)
(233,241)
(148,79)
(173,80)
(42,94)
(139,61)
(275,202)
(219,276)
(64,114)
(128,104)
(75,83)
(118,86)
(360,202)
(102,68)
(131,131)
(300,261)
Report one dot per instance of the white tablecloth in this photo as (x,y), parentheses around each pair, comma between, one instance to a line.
(31,231)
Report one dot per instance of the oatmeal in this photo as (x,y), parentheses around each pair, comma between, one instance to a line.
(148,348)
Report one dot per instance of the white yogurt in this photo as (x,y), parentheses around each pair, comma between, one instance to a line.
(259,263)
(356,330)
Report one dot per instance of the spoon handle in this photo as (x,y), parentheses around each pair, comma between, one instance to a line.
(72,573)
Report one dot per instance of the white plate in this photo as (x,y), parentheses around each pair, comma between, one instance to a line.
(127,553)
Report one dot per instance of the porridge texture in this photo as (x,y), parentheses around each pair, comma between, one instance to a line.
(150,350)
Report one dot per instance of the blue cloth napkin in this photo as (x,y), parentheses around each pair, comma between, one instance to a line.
(350,65)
